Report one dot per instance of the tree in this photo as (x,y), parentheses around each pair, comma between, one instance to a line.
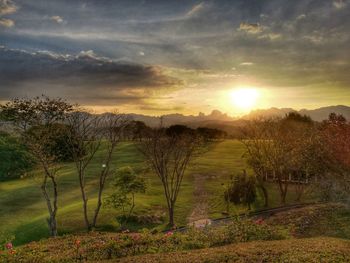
(241,190)
(335,134)
(15,157)
(126,184)
(169,154)
(35,120)
(137,130)
(87,133)
(210,134)
(256,143)
(278,149)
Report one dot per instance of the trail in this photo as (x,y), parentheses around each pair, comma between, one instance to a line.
(199,215)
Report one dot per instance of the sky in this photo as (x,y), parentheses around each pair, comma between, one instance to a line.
(160,57)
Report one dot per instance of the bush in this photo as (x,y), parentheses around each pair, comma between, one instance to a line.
(241,190)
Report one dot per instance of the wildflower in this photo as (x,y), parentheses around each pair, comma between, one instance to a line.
(259,221)
(135,236)
(77,243)
(9,246)
(169,233)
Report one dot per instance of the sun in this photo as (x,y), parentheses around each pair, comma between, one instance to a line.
(244,98)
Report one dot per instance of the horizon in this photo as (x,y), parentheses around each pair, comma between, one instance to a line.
(158,58)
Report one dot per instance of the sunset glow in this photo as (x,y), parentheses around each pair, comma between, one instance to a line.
(244,98)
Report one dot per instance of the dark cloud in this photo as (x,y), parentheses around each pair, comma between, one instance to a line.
(84,76)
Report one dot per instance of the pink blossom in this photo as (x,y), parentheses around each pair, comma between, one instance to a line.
(169,233)
(135,236)
(9,246)
(259,221)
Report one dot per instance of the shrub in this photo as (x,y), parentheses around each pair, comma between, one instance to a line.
(241,190)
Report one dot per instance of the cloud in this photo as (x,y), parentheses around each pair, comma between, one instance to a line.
(195,9)
(7,7)
(57,19)
(270,36)
(251,28)
(246,64)
(84,77)
(301,17)
(339,4)
(6,22)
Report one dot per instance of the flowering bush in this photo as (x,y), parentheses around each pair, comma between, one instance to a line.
(95,246)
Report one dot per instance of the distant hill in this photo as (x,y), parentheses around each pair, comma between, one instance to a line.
(316,114)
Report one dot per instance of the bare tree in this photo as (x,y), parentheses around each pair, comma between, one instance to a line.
(87,133)
(35,120)
(113,126)
(169,155)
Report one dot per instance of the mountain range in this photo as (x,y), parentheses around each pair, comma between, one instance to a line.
(216,117)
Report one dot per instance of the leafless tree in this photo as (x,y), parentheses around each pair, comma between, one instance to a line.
(87,133)
(169,156)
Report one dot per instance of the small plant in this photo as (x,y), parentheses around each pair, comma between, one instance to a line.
(126,184)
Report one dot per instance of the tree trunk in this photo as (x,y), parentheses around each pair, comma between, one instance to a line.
(99,204)
(283,193)
(131,209)
(85,201)
(171,216)
(265,194)
(52,208)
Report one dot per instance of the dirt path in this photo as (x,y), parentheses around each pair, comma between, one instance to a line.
(199,214)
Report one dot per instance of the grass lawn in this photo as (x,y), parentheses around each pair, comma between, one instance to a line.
(23,211)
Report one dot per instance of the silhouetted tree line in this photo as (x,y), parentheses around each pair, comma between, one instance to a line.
(137,130)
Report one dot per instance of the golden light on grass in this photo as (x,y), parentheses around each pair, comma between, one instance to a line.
(244,98)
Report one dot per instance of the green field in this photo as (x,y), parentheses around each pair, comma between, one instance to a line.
(23,211)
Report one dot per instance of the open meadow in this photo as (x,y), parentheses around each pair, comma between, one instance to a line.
(23,211)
